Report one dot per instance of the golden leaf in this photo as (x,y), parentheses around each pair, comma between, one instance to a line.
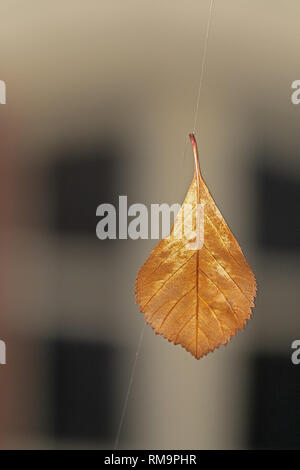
(198,297)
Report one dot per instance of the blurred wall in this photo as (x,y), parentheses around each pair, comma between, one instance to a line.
(108,89)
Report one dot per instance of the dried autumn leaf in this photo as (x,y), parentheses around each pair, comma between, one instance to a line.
(198,298)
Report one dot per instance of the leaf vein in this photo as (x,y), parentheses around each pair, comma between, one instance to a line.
(164,283)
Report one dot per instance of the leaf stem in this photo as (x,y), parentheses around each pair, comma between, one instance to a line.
(196,163)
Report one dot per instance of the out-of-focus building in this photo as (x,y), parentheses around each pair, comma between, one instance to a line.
(104,95)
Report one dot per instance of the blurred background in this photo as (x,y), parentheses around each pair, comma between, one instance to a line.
(100,98)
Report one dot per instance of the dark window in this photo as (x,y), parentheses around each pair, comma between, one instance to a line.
(278,196)
(83,386)
(80,179)
(275,403)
